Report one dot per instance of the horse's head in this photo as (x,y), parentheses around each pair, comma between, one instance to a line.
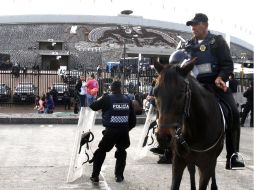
(172,94)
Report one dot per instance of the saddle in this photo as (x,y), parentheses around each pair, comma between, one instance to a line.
(226,114)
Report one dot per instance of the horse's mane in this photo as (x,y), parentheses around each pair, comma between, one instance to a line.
(170,74)
(167,75)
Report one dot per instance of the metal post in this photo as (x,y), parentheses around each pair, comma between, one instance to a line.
(139,59)
(38,82)
(123,77)
(242,72)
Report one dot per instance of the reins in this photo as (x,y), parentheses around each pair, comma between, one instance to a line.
(179,135)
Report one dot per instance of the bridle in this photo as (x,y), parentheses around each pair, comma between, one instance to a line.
(187,99)
(179,125)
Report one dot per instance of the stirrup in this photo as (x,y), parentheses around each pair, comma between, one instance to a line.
(236,154)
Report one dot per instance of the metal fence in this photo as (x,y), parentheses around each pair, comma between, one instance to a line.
(42,81)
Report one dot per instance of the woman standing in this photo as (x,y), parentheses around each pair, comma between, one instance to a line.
(81,88)
(92,89)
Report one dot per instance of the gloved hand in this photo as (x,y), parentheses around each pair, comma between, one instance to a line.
(221,84)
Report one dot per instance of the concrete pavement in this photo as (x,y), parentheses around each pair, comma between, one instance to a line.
(37,157)
(55,118)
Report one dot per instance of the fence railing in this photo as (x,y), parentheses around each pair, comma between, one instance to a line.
(40,82)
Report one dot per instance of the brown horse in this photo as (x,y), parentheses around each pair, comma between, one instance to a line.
(192,115)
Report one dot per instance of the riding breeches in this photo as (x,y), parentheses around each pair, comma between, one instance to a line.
(233,127)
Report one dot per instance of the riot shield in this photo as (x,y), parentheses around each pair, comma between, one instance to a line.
(147,137)
(83,137)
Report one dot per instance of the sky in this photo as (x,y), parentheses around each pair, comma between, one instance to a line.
(233,17)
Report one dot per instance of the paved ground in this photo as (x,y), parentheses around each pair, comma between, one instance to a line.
(37,157)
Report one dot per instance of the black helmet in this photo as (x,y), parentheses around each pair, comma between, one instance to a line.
(178,57)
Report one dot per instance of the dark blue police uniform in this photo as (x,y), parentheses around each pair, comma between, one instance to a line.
(214,60)
(118,118)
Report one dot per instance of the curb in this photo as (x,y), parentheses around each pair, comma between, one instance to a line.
(52,120)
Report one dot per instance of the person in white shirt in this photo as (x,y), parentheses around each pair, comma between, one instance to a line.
(83,93)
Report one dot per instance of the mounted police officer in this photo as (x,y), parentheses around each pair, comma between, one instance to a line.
(213,67)
(118,118)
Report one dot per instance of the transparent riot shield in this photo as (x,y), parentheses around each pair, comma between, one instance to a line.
(83,136)
(147,137)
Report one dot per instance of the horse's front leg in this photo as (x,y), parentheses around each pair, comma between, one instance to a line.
(214,184)
(178,167)
(192,171)
(205,174)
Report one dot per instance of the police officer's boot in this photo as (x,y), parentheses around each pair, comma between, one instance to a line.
(120,165)
(166,158)
(98,159)
(163,144)
(234,162)
(159,150)
(232,145)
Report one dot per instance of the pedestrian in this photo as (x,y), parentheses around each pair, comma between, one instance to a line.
(41,107)
(37,99)
(118,118)
(15,70)
(67,100)
(213,67)
(131,87)
(131,95)
(25,71)
(248,107)
(137,104)
(76,108)
(163,149)
(54,94)
(233,84)
(82,89)
(92,89)
(50,106)
(99,71)
(44,99)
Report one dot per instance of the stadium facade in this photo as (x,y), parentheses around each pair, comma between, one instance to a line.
(79,42)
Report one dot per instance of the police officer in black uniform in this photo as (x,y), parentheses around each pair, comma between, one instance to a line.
(163,149)
(213,67)
(118,118)
(248,107)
